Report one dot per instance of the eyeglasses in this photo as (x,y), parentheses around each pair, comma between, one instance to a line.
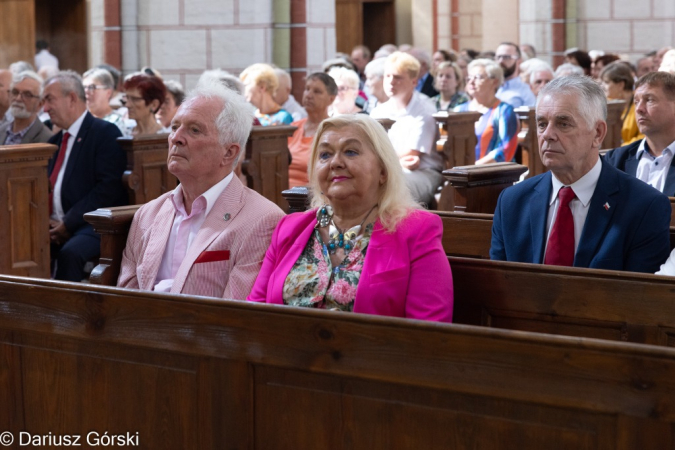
(476,78)
(93,87)
(125,99)
(25,95)
(345,88)
(506,57)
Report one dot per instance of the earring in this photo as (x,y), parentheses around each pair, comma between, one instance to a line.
(324,215)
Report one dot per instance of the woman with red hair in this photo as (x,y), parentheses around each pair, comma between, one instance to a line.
(143,96)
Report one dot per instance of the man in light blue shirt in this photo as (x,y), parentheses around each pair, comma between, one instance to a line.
(514,91)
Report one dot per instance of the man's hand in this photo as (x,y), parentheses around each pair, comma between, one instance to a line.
(410,160)
(57,232)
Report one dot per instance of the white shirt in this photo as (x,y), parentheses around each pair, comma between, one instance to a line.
(414,128)
(583,188)
(73,130)
(294,108)
(43,58)
(201,207)
(651,170)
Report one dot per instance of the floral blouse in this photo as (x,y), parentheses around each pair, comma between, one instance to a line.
(313,282)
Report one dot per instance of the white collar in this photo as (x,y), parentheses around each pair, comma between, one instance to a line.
(643,148)
(74,129)
(210,196)
(583,188)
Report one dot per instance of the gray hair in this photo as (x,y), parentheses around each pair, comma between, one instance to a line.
(21,66)
(102,76)
(235,119)
(567,69)
(28,74)
(225,78)
(590,97)
(349,77)
(281,73)
(539,67)
(70,81)
(492,69)
(421,55)
(176,90)
(375,68)
(394,200)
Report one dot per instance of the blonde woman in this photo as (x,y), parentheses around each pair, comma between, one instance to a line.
(260,84)
(365,246)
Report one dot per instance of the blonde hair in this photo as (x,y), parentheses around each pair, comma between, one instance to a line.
(395,201)
(456,69)
(261,74)
(403,62)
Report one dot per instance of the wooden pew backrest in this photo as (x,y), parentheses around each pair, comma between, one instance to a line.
(196,373)
(24,202)
(147,176)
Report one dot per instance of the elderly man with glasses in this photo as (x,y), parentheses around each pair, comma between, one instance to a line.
(514,91)
(25,96)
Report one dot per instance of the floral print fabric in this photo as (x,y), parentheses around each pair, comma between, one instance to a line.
(313,282)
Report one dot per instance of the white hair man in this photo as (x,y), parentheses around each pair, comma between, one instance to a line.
(583,212)
(25,94)
(209,235)
(414,131)
(283,96)
(374,83)
(540,75)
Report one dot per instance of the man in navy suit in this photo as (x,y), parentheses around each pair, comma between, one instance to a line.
(583,212)
(650,159)
(85,173)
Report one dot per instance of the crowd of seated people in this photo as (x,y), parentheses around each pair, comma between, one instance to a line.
(366,244)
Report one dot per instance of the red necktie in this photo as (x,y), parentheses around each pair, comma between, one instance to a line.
(560,249)
(57,168)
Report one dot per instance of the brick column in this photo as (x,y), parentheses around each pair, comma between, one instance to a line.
(558,31)
(298,25)
(112,34)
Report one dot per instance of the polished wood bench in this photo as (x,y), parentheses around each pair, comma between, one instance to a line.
(196,373)
(24,202)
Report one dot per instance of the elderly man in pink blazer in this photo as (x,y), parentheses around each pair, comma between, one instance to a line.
(209,235)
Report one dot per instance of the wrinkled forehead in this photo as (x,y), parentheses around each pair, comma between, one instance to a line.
(203,110)
(559,104)
(27,84)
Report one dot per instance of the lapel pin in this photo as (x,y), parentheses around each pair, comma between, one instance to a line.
(606,206)
(227,216)
(79,139)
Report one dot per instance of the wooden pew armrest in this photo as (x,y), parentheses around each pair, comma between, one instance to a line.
(113,225)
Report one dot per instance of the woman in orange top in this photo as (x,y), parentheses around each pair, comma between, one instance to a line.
(319,94)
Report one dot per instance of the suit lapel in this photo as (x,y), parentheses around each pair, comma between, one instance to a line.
(669,187)
(631,164)
(230,202)
(600,212)
(32,132)
(157,242)
(77,146)
(538,217)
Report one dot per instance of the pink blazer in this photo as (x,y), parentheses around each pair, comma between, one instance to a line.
(405,273)
(246,234)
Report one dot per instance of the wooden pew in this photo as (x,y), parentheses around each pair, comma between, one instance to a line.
(147,176)
(194,373)
(24,202)
(265,164)
(614,123)
(527,139)
(603,304)
(476,189)
(457,143)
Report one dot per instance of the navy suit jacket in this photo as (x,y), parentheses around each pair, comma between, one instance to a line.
(93,176)
(632,234)
(428,87)
(625,159)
